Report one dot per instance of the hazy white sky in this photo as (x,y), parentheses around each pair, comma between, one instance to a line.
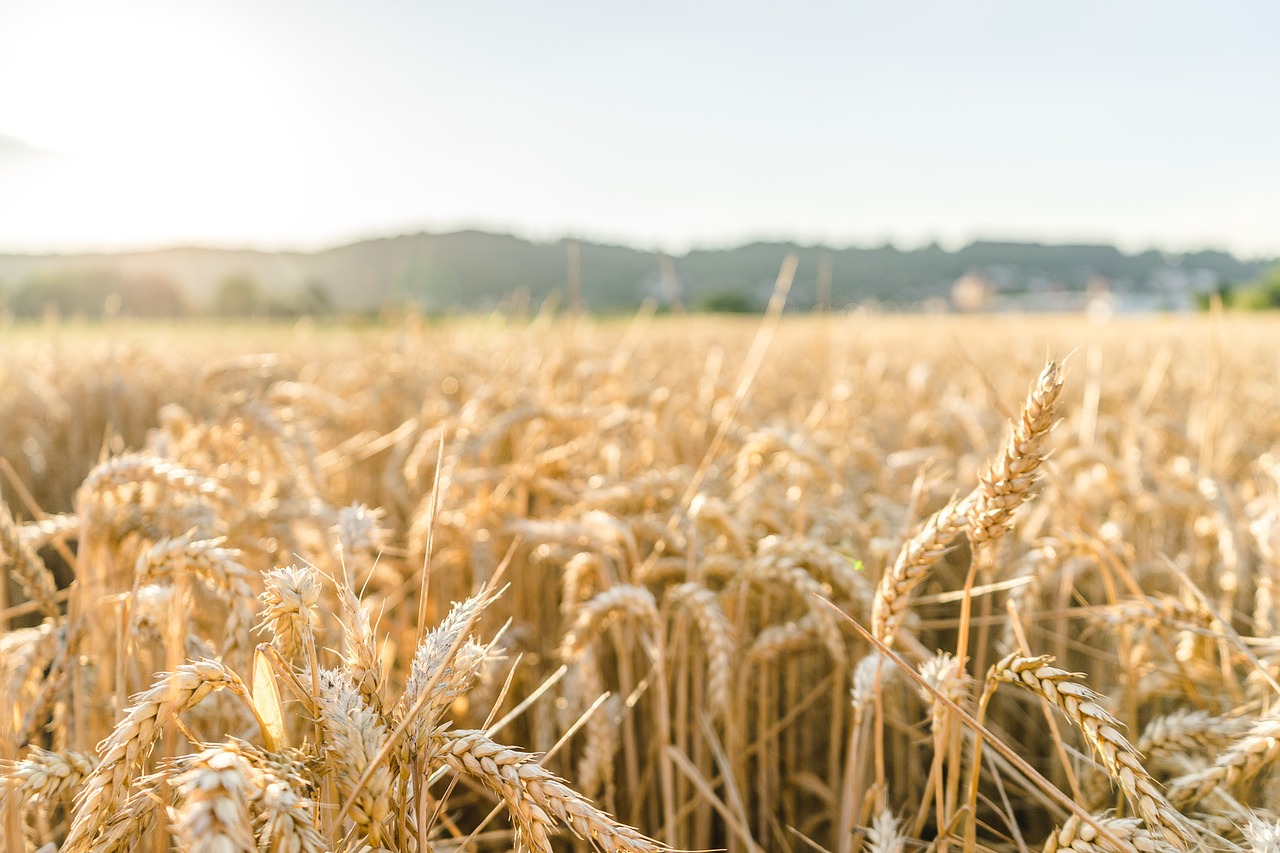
(277,123)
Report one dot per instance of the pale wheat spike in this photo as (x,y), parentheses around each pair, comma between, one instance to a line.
(1262,836)
(584,684)
(1006,482)
(776,640)
(359,532)
(132,468)
(635,601)
(360,648)
(458,671)
(353,738)
(124,829)
(580,572)
(944,673)
(214,792)
(24,655)
(305,394)
(218,568)
(286,814)
(884,835)
(869,674)
(1079,837)
(534,795)
(918,555)
(288,820)
(824,564)
(717,633)
(1123,763)
(289,608)
(44,531)
(1187,732)
(125,749)
(44,775)
(1245,759)
(771,567)
(1159,610)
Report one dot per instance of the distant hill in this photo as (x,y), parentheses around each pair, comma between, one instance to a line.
(474,270)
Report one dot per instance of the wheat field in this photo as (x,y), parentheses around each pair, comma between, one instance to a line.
(835,583)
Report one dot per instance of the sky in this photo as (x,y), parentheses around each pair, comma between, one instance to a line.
(300,125)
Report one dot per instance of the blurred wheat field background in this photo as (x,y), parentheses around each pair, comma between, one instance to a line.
(863,583)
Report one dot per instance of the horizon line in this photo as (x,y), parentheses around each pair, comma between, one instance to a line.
(904,246)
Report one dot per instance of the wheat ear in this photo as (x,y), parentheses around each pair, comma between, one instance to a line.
(214,791)
(1006,482)
(353,737)
(45,775)
(289,604)
(32,574)
(635,601)
(1262,836)
(717,633)
(535,796)
(917,556)
(360,648)
(1081,706)
(1079,837)
(1245,759)
(449,666)
(884,835)
(124,750)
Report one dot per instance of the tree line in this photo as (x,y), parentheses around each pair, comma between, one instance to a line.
(104,293)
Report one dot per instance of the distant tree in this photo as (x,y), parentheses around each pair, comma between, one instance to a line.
(314,299)
(1225,293)
(152,296)
(237,295)
(94,293)
(1261,295)
(726,302)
